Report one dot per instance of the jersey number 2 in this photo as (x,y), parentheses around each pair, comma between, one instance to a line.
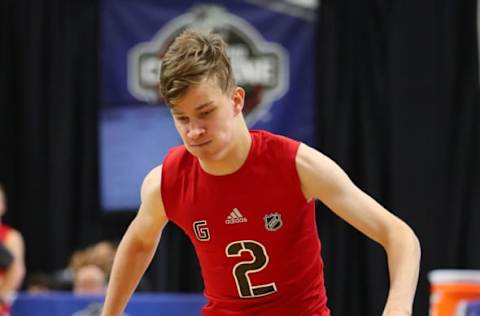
(242,269)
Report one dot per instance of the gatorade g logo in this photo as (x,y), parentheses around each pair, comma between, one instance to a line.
(260,67)
(201,230)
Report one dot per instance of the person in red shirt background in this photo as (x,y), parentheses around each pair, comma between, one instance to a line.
(246,200)
(12,269)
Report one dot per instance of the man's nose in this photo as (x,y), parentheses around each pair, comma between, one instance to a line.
(195,130)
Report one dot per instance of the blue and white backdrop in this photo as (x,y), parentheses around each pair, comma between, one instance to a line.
(272,46)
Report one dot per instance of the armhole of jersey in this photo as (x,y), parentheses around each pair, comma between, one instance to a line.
(163,180)
(291,147)
(297,175)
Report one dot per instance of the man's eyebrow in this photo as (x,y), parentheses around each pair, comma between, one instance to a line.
(202,106)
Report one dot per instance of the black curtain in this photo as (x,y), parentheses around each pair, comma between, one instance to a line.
(48,123)
(398,109)
(49,99)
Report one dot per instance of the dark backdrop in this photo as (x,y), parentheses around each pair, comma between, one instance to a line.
(398,109)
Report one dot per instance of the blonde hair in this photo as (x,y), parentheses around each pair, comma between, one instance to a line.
(100,254)
(191,58)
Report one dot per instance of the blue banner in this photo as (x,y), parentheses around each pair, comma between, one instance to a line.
(68,304)
(272,48)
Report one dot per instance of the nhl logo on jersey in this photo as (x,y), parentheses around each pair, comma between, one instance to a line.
(273,221)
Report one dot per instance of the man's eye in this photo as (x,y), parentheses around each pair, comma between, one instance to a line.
(182,119)
(205,113)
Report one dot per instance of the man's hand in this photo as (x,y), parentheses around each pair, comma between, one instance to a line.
(397,312)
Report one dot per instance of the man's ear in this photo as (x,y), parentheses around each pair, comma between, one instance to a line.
(238,99)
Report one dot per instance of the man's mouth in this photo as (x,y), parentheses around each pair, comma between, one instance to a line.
(201,144)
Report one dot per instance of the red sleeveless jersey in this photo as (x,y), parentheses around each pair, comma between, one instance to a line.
(253,231)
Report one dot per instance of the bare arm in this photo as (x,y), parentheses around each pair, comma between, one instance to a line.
(137,247)
(16,271)
(323,179)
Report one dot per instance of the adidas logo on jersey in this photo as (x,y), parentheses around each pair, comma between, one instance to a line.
(235,217)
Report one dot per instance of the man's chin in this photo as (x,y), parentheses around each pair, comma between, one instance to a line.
(198,152)
(203,154)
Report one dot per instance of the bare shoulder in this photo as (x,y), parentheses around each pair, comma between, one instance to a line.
(319,175)
(148,224)
(15,236)
(152,182)
(14,241)
(151,193)
(308,158)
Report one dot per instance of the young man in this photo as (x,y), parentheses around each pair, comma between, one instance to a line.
(12,271)
(246,200)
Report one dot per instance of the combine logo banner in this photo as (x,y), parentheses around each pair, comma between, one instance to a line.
(272,45)
(259,66)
